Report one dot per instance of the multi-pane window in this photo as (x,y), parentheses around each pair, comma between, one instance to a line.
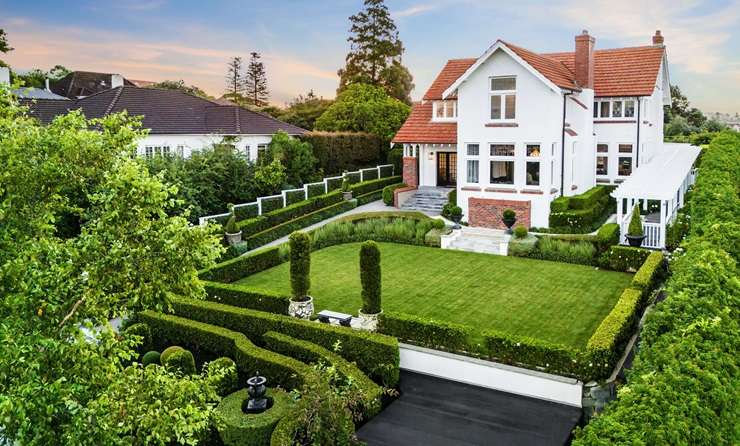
(553,146)
(533,164)
(473,164)
(503,98)
(502,164)
(625,166)
(180,151)
(625,148)
(165,150)
(445,110)
(148,151)
(151,151)
(629,109)
(261,151)
(602,161)
(614,108)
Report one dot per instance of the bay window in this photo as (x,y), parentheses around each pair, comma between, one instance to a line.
(503,98)
(502,163)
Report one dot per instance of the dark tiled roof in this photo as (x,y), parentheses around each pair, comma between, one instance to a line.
(45,110)
(83,83)
(175,112)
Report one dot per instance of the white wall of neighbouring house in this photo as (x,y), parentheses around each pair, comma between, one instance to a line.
(185,145)
(539,121)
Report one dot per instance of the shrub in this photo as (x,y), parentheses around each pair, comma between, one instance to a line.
(222,375)
(607,236)
(375,354)
(677,231)
(635,226)
(579,252)
(271,204)
(649,273)
(369,197)
(311,353)
(345,184)
(508,214)
(295,196)
(181,361)
(581,213)
(388,193)
(452,197)
(230,227)
(344,151)
(370,277)
(239,296)
(240,267)
(560,204)
(433,237)
(425,332)
(169,351)
(520,231)
(234,250)
(314,190)
(373,185)
(150,357)
(604,346)
(143,332)
(409,228)
(235,428)
(451,211)
(522,247)
(269,219)
(624,258)
(300,265)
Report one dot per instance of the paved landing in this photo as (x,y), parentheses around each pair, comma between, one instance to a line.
(436,412)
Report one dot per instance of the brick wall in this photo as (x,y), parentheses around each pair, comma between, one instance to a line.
(487,212)
(410,171)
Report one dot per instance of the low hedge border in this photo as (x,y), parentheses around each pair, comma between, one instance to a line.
(581,213)
(369,197)
(200,336)
(290,212)
(649,273)
(236,428)
(310,353)
(243,297)
(425,332)
(281,230)
(624,258)
(373,185)
(375,354)
(243,266)
(388,192)
(385,214)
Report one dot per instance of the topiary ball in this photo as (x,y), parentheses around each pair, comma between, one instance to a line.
(181,361)
(520,231)
(168,351)
(222,375)
(150,357)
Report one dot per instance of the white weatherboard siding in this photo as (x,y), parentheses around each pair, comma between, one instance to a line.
(192,143)
(492,375)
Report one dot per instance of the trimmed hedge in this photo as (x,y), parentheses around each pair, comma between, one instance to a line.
(236,428)
(300,265)
(311,353)
(604,346)
(244,297)
(281,230)
(581,213)
(607,236)
(425,332)
(388,195)
(344,151)
(369,197)
(220,341)
(373,185)
(370,277)
(181,361)
(271,204)
(375,354)
(649,273)
(291,212)
(295,196)
(246,211)
(314,190)
(624,258)
(243,266)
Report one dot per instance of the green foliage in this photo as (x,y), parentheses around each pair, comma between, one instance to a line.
(508,214)
(143,335)
(300,265)
(150,357)
(370,277)
(255,81)
(180,85)
(452,197)
(451,211)
(167,352)
(234,250)
(677,231)
(425,332)
(580,252)
(581,213)
(369,197)
(181,362)
(375,354)
(635,226)
(560,204)
(304,110)
(388,191)
(397,228)
(269,219)
(520,231)
(239,296)
(294,196)
(269,178)
(338,152)
(310,353)
(222,375)
(649,273)
(522,247)
(230,227)
(365,187)
(272,204)
(364,108)
(236,428)
(345,184)
(4,46)
(605,344)
(295,155)
(607,236)
(243,266)
(624,258)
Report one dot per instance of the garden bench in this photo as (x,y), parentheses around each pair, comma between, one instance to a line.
(326,316)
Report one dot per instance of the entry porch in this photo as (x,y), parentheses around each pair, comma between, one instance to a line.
(432,165)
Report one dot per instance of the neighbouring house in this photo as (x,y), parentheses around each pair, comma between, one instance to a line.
(79,84)
(178,123)
(516,129)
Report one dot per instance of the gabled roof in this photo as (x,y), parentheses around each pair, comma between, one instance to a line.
(45,110)
(419,128)
(449,74)
(37,93)
(175,112)
(84,83)
(557,72)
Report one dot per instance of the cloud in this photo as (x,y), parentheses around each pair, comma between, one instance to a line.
(415,10)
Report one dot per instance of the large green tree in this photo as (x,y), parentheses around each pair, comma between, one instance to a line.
(364,108)
(180,85)
(304,110)
(681,111)
(255,81)
(59,384)
(235,80)
(296,156)
(4,45)
(375,53)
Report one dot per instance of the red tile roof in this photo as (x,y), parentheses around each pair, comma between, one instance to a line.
(621,71)
(617,72)
(418,128)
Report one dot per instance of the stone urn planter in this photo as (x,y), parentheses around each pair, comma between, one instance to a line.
(234,238)
(347,195)
(635,240)
(302,309)
(368,321)
(509,218)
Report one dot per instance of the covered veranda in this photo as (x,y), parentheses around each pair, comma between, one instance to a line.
(659,186)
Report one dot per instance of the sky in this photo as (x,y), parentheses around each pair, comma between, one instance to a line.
(304,42)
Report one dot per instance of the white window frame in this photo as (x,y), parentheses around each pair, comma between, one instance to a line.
(502,94)
(166,151)
(469,157)
(553,151)
(630,155)
(532,159)
(180,151)
(446,104)
(606,154)
(611,101)
(492,158)
(148,151)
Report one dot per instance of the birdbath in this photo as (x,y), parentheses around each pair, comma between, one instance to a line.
(256,388)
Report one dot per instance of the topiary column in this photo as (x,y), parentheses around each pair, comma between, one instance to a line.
(370,278)
(301,304)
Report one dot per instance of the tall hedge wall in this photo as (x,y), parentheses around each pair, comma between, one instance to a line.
(683,388)
(342,151)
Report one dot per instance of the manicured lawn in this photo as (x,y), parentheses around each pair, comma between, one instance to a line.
(557,302)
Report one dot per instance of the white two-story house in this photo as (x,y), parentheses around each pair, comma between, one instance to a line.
(515,129)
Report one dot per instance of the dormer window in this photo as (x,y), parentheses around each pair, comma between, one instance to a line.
(503,98)
(444,110)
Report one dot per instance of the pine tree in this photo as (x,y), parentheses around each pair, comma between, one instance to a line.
(375,53)
(4,45)
(256,81)
(235,80)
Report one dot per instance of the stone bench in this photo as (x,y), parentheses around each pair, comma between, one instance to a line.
(327,316)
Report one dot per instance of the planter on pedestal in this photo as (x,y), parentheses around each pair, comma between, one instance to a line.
(302,309)
(234,238)
(368,321)
(635,240)
(347,195)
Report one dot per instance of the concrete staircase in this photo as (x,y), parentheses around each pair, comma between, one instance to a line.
(481,240)
(429,200)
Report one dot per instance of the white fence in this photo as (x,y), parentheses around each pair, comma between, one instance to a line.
(305,189)
(652,231)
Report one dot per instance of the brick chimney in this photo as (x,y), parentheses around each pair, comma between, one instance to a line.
(585,60)
(658,38)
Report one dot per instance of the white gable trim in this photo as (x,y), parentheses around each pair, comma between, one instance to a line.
(667,100)
(489,52)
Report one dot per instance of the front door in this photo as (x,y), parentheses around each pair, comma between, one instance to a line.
(446,169)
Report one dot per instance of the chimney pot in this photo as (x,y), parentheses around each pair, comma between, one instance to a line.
(584,58)
(116,80)
(658,38)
